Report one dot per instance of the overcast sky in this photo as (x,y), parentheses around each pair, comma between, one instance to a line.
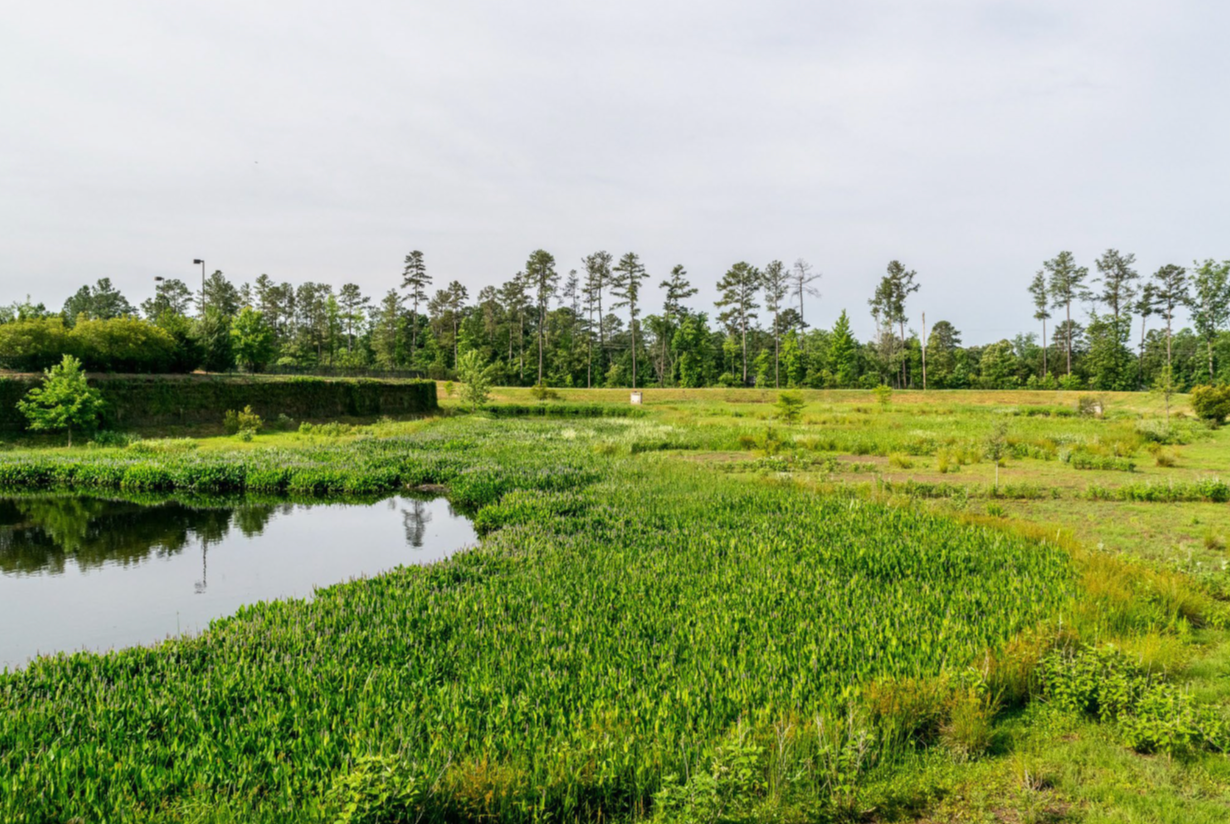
(313,141)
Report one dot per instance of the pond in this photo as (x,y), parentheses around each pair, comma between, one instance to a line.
(81,572)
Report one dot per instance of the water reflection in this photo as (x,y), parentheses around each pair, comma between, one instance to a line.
(94,572)
(40,534)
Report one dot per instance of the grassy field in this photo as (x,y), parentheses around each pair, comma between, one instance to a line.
(697,613)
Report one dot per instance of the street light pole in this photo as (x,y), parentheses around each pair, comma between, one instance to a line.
(198,260)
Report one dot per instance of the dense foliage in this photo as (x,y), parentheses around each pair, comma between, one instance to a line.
(566,329)
(625,620)
(63,401)
(160,400)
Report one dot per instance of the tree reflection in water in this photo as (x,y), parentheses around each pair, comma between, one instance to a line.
(39,534)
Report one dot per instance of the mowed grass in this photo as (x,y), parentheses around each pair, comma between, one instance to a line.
(656,599)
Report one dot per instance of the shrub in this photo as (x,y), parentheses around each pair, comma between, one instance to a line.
(1090,406)
(884,395)
(113,440)
(789,406)
(33,345)
(123,345)
(900,461)
(243,421)
(1211,403)
(475,380)
(542,392)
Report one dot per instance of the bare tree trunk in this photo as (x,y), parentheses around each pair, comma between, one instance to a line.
(541,321)
(1044,348)
(1140,360)
(923,350)
(777,380)
(743,330)
(1068,337)
(905,358)
(1168,315)
(633,325)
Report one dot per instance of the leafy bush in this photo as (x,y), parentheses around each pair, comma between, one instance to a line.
(245,420)
(123,345)
(884,395)
(1152,715)
(33,345)
(542,392)
(1211,403)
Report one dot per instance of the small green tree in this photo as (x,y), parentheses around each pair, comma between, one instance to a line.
(789,406)
(884,394)
(475,379)
(1165,388)
(996,448)
(64,401)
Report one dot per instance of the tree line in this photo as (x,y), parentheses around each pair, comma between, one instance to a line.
(593,326)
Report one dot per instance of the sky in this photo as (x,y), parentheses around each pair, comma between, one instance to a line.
(323,141)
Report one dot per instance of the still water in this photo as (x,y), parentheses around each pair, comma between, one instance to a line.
(79,572)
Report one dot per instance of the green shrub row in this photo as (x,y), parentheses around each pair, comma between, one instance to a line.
(115,345)
(155,400)
(1207,489)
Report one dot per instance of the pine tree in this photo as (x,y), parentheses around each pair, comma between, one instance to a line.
(1117,277)
(1037,288)
(676,289)
(738,288)
(801,280)
(1170,290)
(775,282)
(597,281)
(1066,282)
(888,304)
(843,352)
(626,286)
(543,280)
(1210,302)
(415,278)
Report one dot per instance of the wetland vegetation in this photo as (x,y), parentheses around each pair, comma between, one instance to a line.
(708,610)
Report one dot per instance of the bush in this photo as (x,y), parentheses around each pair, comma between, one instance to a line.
(1090,406)
(242,421)
(1211,403)
(123,345)
(884,395)
(542,392)
(789,406)
(33,345)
